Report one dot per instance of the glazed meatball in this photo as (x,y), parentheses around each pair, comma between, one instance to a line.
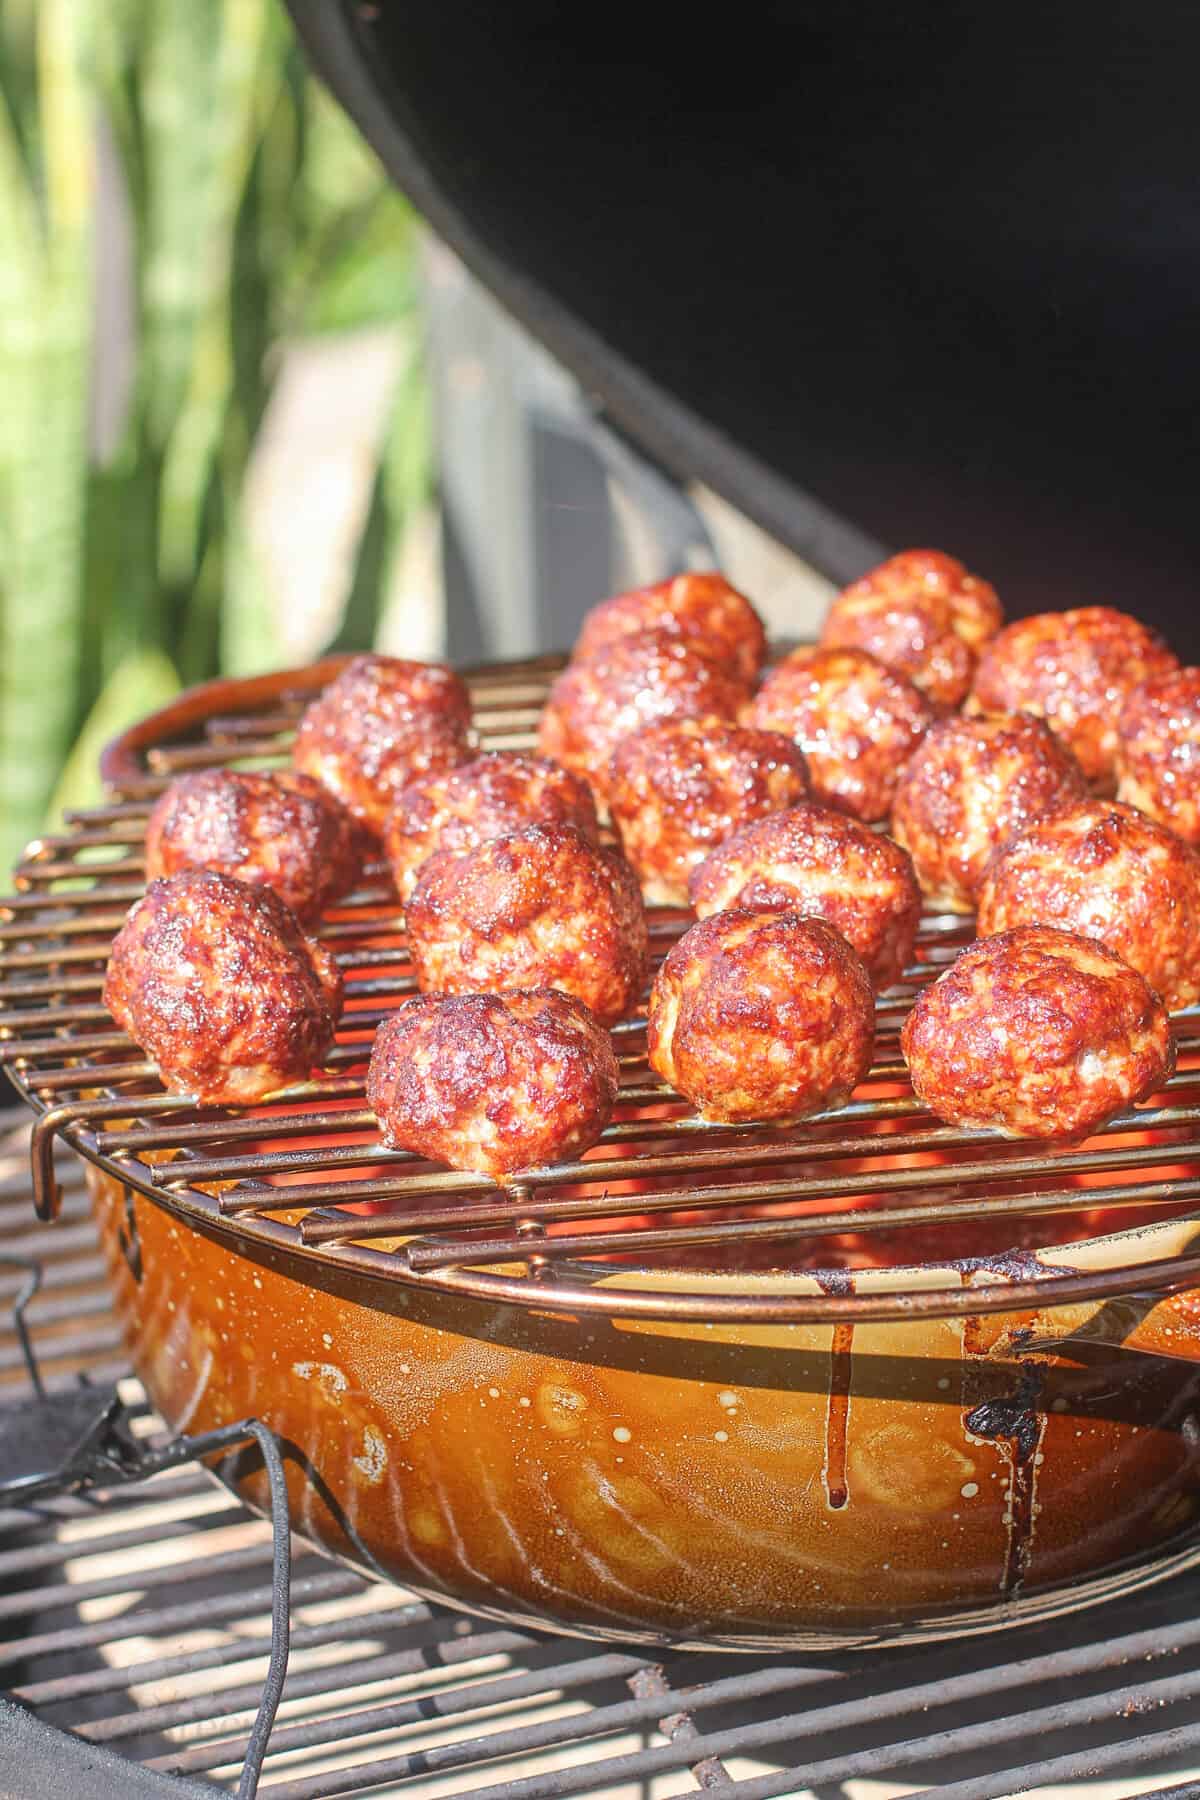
(638,680)
(761,1016)
(971,785)
(678,789)
(922,615)
(538,908)
(1158,753)
(823,864)
(494,1082)
(1074,669)
(216,981)
(1109,873)
(380,723)
(856,721)
(701,609)
(819,863)
(281,831)
(1037,1033)
(456,809)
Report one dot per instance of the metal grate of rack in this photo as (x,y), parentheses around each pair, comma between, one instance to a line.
(308,1171)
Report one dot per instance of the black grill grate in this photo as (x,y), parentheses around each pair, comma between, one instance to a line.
(141,1621)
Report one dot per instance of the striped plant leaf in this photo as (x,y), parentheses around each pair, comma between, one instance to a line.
(247,81)
(255,215)
(145,680)
(45,322)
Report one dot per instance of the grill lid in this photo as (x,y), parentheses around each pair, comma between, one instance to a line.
(924,275)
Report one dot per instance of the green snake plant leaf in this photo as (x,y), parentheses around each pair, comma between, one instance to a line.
(253,215)
(45,321)
(245,84)
(144,681)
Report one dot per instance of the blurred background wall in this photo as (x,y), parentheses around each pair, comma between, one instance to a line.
(227,352)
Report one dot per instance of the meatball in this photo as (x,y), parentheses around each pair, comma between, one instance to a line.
(971,785)
(381,722)
(676,790)
(701,609)
(636,681)
(855,720)
(494,1082)
(761,1016)
(1158,752)
(817,862)
(281,831)
(1074,669)
(1109,873)
(922,615)
(538,908)
(456,809)
(216,981)
(1038,1033)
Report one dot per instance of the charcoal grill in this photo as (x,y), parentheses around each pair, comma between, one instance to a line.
(849,407)
(678,1265)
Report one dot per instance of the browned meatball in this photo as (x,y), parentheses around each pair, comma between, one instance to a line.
(282,831)
(702,609)
(761,1016)
(216,981)
(635,681)
(494,1082)
(676,790)
(1075,670)
(1039,1033)
(381,722)
(971,785)
(819,863)
(456,809)
(856,721)
(538,908)
(1158,755)
(922,615)
(1109,873)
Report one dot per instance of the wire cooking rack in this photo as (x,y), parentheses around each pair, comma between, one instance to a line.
(139,1619)
(662,1188)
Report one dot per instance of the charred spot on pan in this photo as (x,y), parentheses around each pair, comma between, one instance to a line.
(1012,1416)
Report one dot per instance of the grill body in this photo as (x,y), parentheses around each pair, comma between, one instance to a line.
(590,1400)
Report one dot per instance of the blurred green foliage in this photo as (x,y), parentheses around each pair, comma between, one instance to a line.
(257,217)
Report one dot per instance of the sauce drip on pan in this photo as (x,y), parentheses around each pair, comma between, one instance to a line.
(837,1417)
(1015,1426)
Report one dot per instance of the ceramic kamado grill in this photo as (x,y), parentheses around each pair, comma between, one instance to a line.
(866,1381)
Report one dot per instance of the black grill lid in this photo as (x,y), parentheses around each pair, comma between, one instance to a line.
(928,270)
